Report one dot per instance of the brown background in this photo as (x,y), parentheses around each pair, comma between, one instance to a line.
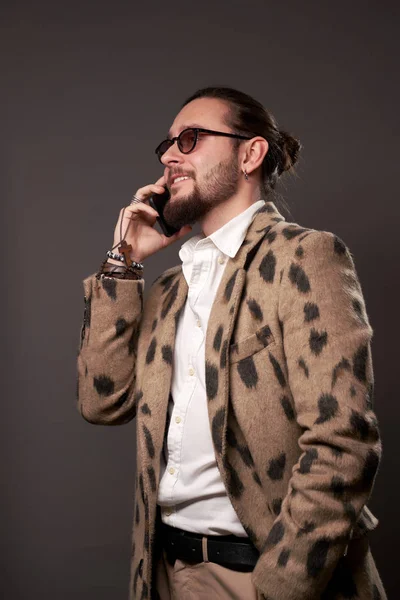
(88,91)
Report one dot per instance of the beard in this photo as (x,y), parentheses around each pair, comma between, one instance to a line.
(217,185)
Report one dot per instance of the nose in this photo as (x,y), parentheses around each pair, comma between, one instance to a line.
(172,156)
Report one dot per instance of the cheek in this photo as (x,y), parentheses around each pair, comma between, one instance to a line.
(203,167)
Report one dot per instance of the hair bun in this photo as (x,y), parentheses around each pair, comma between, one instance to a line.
(290,147)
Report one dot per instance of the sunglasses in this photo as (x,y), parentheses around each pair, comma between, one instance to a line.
(188,138)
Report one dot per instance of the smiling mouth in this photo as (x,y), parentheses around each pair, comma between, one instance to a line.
(178,182)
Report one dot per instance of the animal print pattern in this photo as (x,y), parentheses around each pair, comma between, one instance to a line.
(290,389)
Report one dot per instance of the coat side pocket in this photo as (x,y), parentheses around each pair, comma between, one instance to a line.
(250,345)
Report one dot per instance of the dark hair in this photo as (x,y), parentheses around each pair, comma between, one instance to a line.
(247,116)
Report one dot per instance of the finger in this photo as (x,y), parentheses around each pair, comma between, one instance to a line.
(131,208)
(136,210)
(148,190)
(142,215)
(161,181)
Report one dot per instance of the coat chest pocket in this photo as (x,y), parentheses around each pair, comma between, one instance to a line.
(250,345)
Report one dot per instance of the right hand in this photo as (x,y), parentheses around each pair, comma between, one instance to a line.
(141,218)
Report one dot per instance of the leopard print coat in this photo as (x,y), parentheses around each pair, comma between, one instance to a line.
(290,384)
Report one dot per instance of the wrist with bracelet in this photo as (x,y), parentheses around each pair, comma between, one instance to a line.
(130,270)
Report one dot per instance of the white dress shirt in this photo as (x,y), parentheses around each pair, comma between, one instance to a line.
(191,492)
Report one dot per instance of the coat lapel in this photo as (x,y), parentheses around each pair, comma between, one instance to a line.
(220,328)
(172,292)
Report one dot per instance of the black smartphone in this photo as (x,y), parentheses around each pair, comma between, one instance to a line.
(158,201)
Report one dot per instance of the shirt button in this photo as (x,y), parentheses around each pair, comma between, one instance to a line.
(221,260)
(198,323)
(191,371)
(171,470)
(168,513)
(178,419)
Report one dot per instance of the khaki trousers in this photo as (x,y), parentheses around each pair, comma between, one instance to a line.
(202,581)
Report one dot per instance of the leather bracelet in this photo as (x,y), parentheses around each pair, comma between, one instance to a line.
(114,268)
(132,276)
(123,266)
(121,272)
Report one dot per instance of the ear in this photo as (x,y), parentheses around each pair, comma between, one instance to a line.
(254,154)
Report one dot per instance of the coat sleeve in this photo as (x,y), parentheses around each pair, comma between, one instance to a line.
(107,350)
(327,345)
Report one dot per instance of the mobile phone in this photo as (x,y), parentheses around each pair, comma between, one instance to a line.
(158,201)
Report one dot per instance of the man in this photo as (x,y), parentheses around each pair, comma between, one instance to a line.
(249,371)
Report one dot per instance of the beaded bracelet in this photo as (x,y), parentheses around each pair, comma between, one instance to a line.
(120,257)
(111,254)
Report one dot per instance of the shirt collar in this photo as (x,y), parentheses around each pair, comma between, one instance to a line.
(227,238)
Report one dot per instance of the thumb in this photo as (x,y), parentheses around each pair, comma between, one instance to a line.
(176,236)
(183,231)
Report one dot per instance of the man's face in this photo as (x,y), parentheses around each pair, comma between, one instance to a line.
(212,166)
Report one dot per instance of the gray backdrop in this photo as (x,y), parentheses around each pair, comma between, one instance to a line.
(89,90)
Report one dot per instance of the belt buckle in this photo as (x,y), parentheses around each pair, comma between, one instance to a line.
(193,549)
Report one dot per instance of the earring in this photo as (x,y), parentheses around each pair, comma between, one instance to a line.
(245,174)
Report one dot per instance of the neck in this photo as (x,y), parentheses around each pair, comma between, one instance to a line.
(234,205)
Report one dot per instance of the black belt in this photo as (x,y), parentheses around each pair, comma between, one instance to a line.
(231,551)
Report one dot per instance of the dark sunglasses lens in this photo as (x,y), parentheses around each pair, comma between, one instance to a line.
(163,147)
(187,140)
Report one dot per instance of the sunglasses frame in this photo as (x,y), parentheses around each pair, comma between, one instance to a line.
(196,130)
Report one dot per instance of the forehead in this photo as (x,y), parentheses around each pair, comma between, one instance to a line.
(203,112)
